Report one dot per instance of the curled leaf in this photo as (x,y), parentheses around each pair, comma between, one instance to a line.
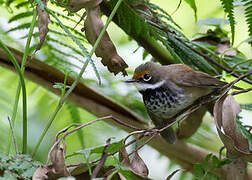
(136,165)
(58,167)
(225,112)
(106,49)
(124,157)
(224,48)
(40,174)
(43,21)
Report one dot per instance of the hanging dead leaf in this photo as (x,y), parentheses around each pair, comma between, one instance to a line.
(58,167)
(224,48)
(137,164)
(43,21)
(76,5)
(106,49)
(124,157)
(40,174)
(225,112)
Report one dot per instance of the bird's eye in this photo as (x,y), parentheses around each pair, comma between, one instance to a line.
(147,77)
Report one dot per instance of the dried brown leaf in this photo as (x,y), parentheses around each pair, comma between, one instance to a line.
(224,48)
(138,166)
(40,174)
(230,109)
(76,5)
(124,157)
(106,49)
(58,167)
(43,21)
(225,111)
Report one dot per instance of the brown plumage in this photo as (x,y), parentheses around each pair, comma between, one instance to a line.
(168,90)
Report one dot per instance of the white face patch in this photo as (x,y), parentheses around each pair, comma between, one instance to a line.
(145,86)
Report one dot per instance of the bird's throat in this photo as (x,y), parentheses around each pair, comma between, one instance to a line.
(141,87)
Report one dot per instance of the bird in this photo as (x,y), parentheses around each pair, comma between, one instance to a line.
(169,89)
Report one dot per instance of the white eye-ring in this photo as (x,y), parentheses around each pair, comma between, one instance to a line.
(147,77)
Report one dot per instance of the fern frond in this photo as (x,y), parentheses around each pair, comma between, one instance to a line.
(68,27)
(65,45)
(20,27)
(66,17)
(52,47)
(229,9)
(248,15)
(166,15)
(65,35)
(23,4)
(20,16)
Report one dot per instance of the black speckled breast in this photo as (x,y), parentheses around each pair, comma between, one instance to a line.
(163,102)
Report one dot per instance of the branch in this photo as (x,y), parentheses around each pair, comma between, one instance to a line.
(184,154)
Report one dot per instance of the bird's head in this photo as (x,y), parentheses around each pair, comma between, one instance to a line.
(147,76)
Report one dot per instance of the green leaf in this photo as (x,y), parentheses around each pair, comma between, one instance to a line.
(248,16)
(213,21)
(193,6)
(246,106)
(216,162)
(113,147)
(210,176)
(244,131)
(229,9)
(75,116)
(224,162)
(207,158)
(129,175)
(21,16)
(145,54)
(58,85)
(198,170)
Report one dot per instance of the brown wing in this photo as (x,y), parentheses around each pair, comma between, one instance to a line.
(184,75)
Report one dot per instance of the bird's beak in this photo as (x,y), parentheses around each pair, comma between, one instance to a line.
(131,80)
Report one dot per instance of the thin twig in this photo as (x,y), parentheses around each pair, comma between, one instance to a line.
(82,17)
(13,135)
(65,129)
(81,126)
(146,142)
(242,91)
(102,161)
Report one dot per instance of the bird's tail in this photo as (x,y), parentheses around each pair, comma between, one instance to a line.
(169,135)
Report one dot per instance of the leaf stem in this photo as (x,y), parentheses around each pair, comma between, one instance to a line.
(16,65)
(24,60)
